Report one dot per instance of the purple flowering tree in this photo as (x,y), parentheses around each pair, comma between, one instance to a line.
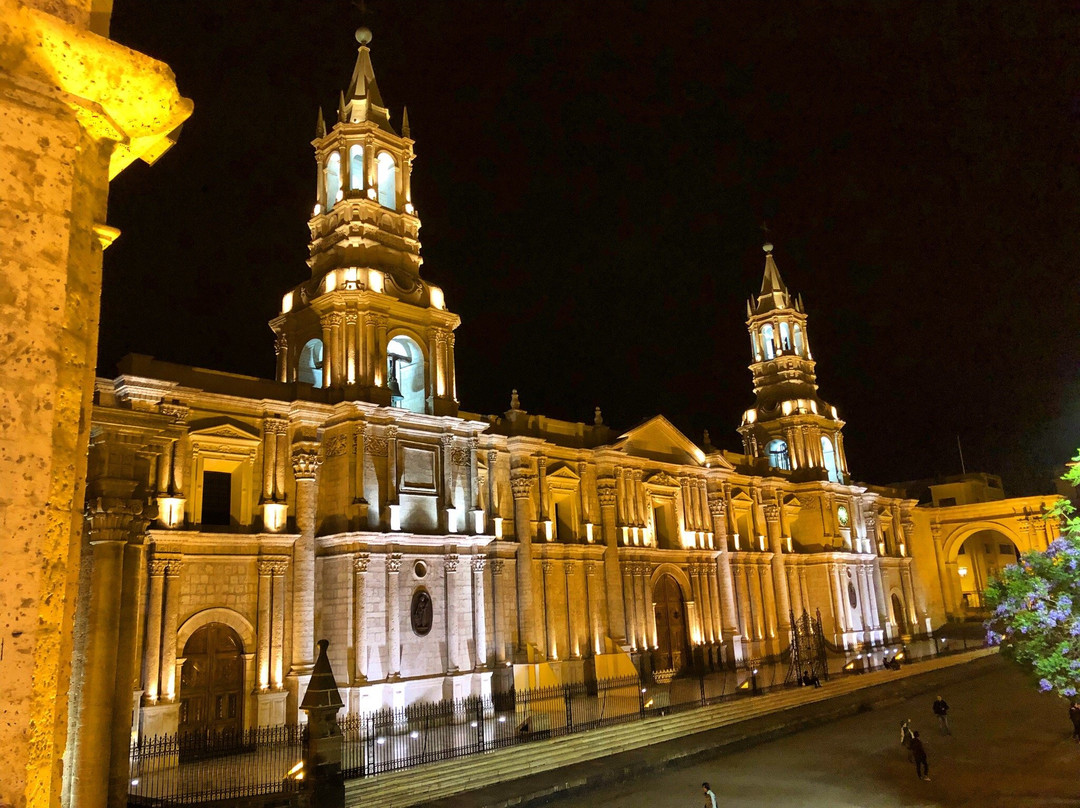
(1036,606)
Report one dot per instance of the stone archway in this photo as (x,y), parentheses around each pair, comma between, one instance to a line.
(896,601)
(672,630)
(980,556)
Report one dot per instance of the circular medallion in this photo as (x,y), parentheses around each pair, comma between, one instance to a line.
(420,612)
(842,515)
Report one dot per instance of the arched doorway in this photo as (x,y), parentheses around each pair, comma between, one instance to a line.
(212,681)
(982,555)
(671,635)
(900,616)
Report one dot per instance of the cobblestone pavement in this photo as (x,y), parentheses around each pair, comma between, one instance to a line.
(1010,747)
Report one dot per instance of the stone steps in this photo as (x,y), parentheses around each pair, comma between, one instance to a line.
(423,784)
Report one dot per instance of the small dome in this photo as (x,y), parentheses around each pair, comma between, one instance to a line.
(363,35)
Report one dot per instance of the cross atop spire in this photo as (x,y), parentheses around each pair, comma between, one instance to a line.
(363,101)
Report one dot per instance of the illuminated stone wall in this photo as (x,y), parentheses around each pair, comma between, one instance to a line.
(74,110)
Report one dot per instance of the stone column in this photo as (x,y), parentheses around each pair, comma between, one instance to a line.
(573,636)
(709,571)
(638,499)
(281,357)
(479,615)
(351,374)
(497,566)
(360,632)
(631,606)
(328,368)
(650,611)
(475,512)
(729,618)
(371,375)
(153,630)
(381,321)
(840,599)
(393,614)
(864,602)
(905,576)
(305,461)
(447,498)
(879,595)
(521,485)
(768,589)
(943,573)
(757,603)
(277,625)
(391,433)
(551,628)
(450,566)
(168,691)
(613,590)
(591,609)
(266,572)
(779,575)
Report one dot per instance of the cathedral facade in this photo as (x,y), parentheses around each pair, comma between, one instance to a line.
(234,521)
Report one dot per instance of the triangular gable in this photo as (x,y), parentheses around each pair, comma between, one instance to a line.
(223,428)
(658,439)
(561,470)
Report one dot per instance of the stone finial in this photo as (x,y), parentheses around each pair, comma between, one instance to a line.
(706,441)
(322,692)
(598,419)
(515,402)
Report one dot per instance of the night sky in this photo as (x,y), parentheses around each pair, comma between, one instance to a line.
(592,179)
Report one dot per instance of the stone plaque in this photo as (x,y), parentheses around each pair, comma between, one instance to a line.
(420,612)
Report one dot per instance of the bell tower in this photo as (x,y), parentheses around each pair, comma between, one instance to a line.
(790,426)
(366,324)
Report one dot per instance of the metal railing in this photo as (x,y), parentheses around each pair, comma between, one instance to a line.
(187,769)
(201,767)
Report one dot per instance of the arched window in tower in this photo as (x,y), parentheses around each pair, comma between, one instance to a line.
(309,370)
(387,181)
(785,338)
(828,456)
(405,374)
(356,167)
(767,344)
(778,455)
(797,329)
(333,179)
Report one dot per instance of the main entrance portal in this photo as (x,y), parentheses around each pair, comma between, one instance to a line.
(670,611)
(212,681)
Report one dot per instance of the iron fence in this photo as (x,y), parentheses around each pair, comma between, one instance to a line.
(189,768)
(195,768)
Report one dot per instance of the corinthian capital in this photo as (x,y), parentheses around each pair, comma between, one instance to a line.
(305,460)
(521,484)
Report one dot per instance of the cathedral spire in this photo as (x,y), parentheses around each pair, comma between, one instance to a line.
(363,101)
(774,294)
(320,125)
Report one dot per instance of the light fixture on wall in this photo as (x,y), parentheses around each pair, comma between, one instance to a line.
(275,515)
(497,526)
(589,532)
(171,511)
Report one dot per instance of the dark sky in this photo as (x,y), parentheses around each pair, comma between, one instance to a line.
(592,178)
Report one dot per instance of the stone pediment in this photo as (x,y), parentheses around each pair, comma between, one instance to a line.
(562,471)
(662,478)
(658,439)
(223,429)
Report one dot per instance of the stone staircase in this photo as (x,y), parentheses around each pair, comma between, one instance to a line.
(425,784)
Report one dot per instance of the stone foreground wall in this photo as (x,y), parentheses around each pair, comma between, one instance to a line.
(74,110)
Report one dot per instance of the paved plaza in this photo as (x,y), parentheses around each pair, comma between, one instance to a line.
(1010,746)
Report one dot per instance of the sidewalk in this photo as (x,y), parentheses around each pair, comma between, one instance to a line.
(536,772)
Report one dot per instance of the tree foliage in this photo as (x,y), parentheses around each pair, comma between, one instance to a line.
(1036,605)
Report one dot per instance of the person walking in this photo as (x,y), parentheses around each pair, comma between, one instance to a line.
(922,766)
(1074,716)
(709,796)
(906,735)
(941,710)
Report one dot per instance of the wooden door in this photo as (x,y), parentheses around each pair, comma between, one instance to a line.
(671,634)
(212,681)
